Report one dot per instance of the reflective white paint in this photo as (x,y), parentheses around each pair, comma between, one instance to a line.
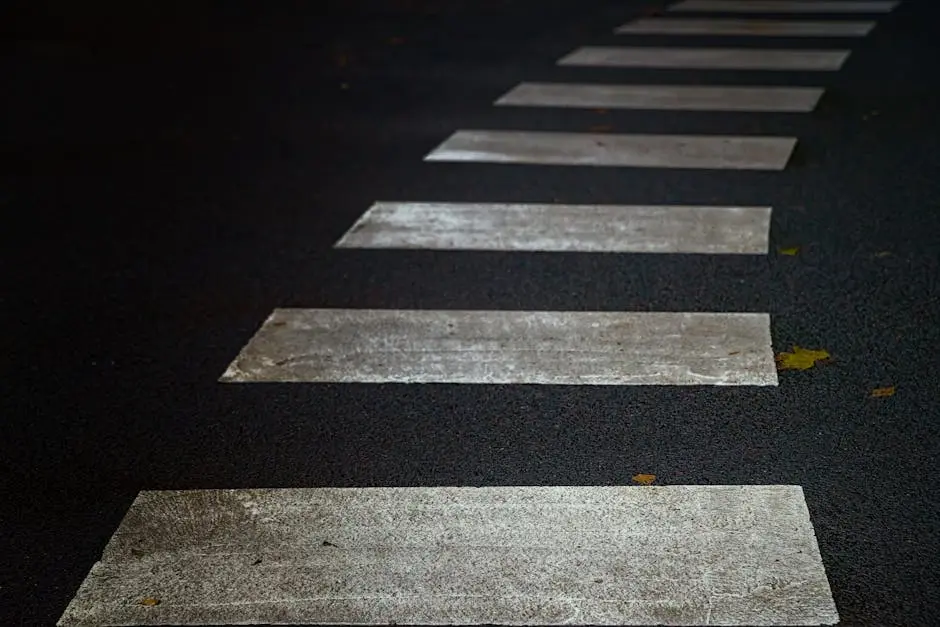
(714,152)
(708,58)
(676,555)
(750,28)
(578,228)
(784,6)
(506,347)
(663,97)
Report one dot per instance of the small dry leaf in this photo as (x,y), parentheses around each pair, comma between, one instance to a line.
(882,392)
(883,253)
(150,602)
(800,359)
(789,251)
(644,479)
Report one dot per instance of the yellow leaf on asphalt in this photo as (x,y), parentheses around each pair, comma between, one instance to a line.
(800,358)
(882,392)
(789,251)
(644,479)
(150,602)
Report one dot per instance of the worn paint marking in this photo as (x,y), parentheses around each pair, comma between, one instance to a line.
(663,97)
(713,152)
(751,28)
(568,228)
(508,347)
(632,555)
(708,58)
(784,6)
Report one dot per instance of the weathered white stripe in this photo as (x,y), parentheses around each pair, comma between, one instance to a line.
(663,97)
(708,58)
(676,555)
(605,149)
(770,28)
(504,347)
(579,228)
(783,6)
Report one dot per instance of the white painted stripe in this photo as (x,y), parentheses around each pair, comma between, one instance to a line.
(770,28)
(663,97)
(610,555)
(504,347)
(580,228)
(783,6)
(708,58)
(605,149)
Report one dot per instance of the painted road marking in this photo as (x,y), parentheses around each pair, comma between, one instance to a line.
(569,228)
(783,6)
(663,97)
(609,555)
(606,149)
(508,347)
(708,58)
(749,28)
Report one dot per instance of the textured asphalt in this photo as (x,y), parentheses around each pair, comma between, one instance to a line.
(172,175)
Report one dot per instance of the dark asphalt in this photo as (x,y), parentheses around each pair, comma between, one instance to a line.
(173,175)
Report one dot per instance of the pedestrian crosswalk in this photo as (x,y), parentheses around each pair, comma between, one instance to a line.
(560,227)
(607,149)
(523,555)
(745,28)
(663,97)
(784,6)
(677,555)
(505,347)
(707,58)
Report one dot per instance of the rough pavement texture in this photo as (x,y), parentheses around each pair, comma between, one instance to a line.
(176,173)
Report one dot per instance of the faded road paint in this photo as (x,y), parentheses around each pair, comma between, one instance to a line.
(747,28)
(714,152)
(708,58)
(505,347)
(664,97)
(570,228)
(784,6)
(678,555)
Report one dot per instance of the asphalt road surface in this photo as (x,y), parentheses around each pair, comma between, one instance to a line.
(177,172)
